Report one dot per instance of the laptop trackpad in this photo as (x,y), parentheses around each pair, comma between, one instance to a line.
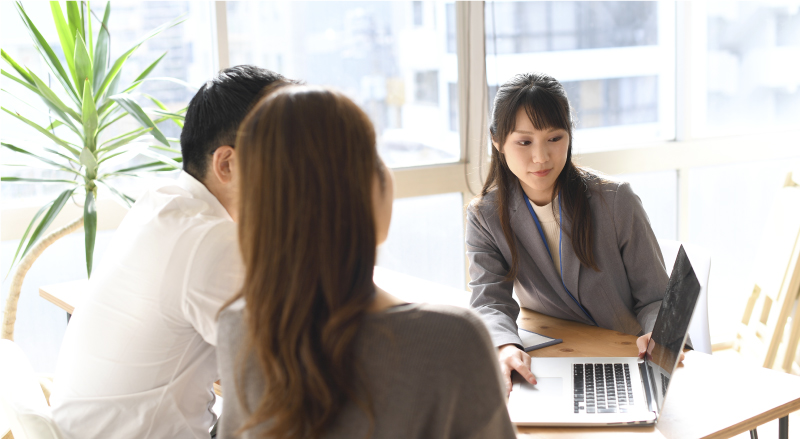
(546,389)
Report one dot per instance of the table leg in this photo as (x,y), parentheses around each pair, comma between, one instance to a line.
(753,434)
(783,427)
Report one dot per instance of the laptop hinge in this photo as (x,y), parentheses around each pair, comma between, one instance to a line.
(648,388)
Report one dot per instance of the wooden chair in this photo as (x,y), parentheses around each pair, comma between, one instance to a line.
(21,397)
(777,285)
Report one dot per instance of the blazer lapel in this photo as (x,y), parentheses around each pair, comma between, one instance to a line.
(570,264)
(528,235)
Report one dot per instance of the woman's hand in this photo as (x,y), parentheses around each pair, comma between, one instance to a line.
(513,358)
(643,343)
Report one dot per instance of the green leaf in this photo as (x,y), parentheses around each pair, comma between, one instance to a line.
(55,104)
(90,162)
(54,113)
(114,86)
(162,119)
(54,125)
(177,118)
(65,36)
(107,124)
(169,115)
(36,156)
(136,111)
(87,18)
(158,103)
(75,21)
(89,118)
(21,82)
(51,151)
(102,50)
(112,73)
(143,166)
(123,139)
(162,158)
(48,218)
(35,180)
(50,135)
(111,156)
(164,148)
(128,201)
(48,55)
(150,68)
(22,71)
(83,67)
(90,229)
(25,235)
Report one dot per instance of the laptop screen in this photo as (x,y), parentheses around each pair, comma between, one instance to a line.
(671,327)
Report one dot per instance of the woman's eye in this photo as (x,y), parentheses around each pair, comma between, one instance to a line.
(524,142)
(556,139)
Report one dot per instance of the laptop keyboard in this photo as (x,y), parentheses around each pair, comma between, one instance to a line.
(602,388)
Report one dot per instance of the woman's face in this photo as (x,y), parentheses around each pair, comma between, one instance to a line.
(536,157)
(382,200)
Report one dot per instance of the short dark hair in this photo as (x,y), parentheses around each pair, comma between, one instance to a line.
(215,112)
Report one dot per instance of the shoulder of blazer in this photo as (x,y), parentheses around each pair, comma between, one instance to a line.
(606,187)
(486,205)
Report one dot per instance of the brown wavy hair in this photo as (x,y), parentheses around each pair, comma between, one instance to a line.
(547,106)
(307,162)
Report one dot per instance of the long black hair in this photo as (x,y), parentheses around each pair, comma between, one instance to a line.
(547,106)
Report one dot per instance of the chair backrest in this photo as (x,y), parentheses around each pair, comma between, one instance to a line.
(21,397)
(777,281)
(701,262)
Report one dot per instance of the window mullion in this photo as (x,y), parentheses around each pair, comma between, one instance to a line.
(220,32)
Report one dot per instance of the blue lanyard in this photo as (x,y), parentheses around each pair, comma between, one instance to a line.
(560,263)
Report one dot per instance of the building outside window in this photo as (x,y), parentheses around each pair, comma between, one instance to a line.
(387,56)
(615,59)
(427,87)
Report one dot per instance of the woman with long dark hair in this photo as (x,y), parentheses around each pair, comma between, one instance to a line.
(311,348)
(570,243)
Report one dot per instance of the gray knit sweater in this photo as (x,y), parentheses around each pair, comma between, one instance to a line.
(431,371)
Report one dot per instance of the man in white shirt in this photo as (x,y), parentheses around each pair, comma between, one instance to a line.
(138,359)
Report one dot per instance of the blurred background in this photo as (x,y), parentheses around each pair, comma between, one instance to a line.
(696,104)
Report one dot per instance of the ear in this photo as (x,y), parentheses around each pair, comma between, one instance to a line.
(223,163)
(496,145)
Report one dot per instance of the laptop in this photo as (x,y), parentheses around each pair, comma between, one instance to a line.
(609,391)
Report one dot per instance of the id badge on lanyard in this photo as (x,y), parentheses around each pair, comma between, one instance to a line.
(560,264)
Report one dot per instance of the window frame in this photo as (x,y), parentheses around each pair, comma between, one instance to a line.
(468,173)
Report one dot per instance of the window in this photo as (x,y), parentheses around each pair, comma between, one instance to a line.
(426,239)
(747,70)
(417,13)
(615,59)
(427,87)
(523,27)
(374,52)
(614,101)
(452,101)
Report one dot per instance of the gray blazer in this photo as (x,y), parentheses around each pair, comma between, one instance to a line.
(625,295)
(430,371)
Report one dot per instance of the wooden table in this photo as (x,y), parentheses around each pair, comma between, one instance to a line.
(709,397)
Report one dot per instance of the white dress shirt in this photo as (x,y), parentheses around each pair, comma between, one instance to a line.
(138,359)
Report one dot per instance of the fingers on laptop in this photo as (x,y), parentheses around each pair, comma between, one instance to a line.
(523,367)
(642,343)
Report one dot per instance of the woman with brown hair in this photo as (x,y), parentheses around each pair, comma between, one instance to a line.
(568,242)
(311,348)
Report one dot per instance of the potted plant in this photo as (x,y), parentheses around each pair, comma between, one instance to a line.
(77,143)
